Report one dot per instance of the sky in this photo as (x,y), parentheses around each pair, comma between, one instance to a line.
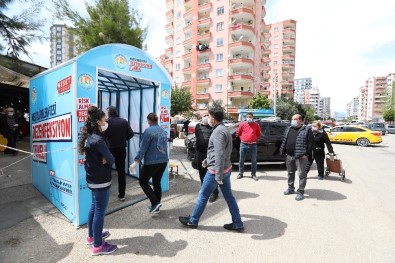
(339,43)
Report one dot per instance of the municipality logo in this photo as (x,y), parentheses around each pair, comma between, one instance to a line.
(86,81)
(120,61)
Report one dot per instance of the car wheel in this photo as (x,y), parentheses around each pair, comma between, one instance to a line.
(363,142)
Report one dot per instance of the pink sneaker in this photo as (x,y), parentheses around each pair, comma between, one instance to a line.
(105,234)
(104,249)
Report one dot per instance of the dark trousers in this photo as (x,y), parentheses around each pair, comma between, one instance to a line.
(11,137)
(203,171)
(154,171)
(319,158)
(294,165)
(120,155)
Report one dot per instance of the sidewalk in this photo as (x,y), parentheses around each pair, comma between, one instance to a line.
(330,225)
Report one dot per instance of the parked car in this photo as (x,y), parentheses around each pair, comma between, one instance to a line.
(354,134)
(268,144)
(377,126)
(391,129)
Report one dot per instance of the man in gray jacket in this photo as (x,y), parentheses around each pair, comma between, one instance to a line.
(219,169)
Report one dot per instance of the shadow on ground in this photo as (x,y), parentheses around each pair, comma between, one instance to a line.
(324,195)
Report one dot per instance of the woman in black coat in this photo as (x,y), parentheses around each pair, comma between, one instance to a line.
(320,138)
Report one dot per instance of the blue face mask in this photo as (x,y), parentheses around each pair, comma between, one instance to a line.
(294,123)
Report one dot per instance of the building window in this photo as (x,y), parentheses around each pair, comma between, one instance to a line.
(178,53)
(177,67)
(275,46)
(58,29)
(276,29)
(178,14)
(178,2)
(275,54)
(220,26)
(220,41)
(220,57)
(178,27)
(220,10)
(275,63)
(59,52)
(219,72)
(178,40)
(177,80)
(275,37)
(218,88)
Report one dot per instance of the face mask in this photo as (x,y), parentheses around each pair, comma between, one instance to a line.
(10,114)
(250,120)
(210,123)
(204,120)
(294,123)
(103,128)
(314,128)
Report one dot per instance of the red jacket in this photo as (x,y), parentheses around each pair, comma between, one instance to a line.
(249,133)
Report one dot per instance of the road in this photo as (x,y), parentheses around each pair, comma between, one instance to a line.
(351,221)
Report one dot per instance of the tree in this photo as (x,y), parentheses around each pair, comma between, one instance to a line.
(389,115)
(109,21)
(317,118)
(217,103)
(181,101)
(259,101)
(19,31)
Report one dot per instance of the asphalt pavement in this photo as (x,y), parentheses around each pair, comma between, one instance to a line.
(350,221)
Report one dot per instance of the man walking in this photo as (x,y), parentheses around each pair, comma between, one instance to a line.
(117,133)
(219,169)
(297,145)
(249,132)
(202,134)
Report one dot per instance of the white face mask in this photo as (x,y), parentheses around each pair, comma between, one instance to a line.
(250,120)
(10,114)
(205,120)
(314,128)
(103,128)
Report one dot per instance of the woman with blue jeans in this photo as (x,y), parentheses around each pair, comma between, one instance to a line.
(98,162)
(153,153)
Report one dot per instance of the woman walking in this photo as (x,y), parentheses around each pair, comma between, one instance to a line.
(153,153)
(98,177)
(320,138)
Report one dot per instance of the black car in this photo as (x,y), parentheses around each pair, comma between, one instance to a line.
(269,143)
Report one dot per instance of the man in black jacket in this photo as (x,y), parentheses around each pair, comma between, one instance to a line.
(117,133)
(298,144)
(202,133)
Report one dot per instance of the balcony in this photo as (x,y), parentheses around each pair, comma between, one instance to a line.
(187,56)
(188,13)
(233,109)
(287,83)
(266,60)
(205,21)
(266,76)
(241,61)
(168,62)
(206,6)
(204,80)
(240,44)
(169,40)
(238,10)
(237,27)
(204,66)
(202,96)
(289,29)
(187,28)
(240,94)
(169,28)
(169,52)
(205,36)
(288,66)
(241,76)
(187,4)
(187,83)
(266,68)
(170,15)
(187,42)
(169,4)
(187,70)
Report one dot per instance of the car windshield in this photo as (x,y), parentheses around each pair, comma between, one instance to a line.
(378,125)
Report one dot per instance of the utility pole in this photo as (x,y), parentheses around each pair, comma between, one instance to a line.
(275,94)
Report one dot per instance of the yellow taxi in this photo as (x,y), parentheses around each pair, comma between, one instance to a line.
(354,134)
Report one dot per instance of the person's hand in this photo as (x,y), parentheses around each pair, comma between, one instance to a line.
(204,163)
(219,182)
(16,125)
(303,157)
(104,161)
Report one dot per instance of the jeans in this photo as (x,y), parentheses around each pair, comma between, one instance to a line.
(120,155)
(300,165)
(319,158)
(244,149)
(202,171)
(154,171)
(209,184)
(96,214)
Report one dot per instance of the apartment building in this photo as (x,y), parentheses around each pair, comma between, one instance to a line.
(312,97)
(279,59)
(300,86)
(352,108)
(324,108)
(215,50)
(62,48)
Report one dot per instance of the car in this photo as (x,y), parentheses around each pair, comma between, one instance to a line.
(391,129)
(377,126)
(269,143)
(353,134)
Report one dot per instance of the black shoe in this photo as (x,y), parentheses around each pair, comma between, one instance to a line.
(254,177)
(155,209)
(299,196)
(185,221)
(121,198)
(213,198)
(320,177)
(231,227)
(289,191)
(239,176)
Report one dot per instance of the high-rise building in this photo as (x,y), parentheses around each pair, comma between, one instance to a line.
(312,97)
(279,59)
(215,50)
(300,86)
(62,47)
(352,108)
(324,108)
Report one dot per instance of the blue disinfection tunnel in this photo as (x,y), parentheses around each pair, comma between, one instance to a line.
(114,74)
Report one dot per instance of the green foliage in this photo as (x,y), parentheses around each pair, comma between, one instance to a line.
(19,31)
(181,101)
(286,108)
(217,103)
(317,118)
(259,101)
(109,21)
(389,115)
